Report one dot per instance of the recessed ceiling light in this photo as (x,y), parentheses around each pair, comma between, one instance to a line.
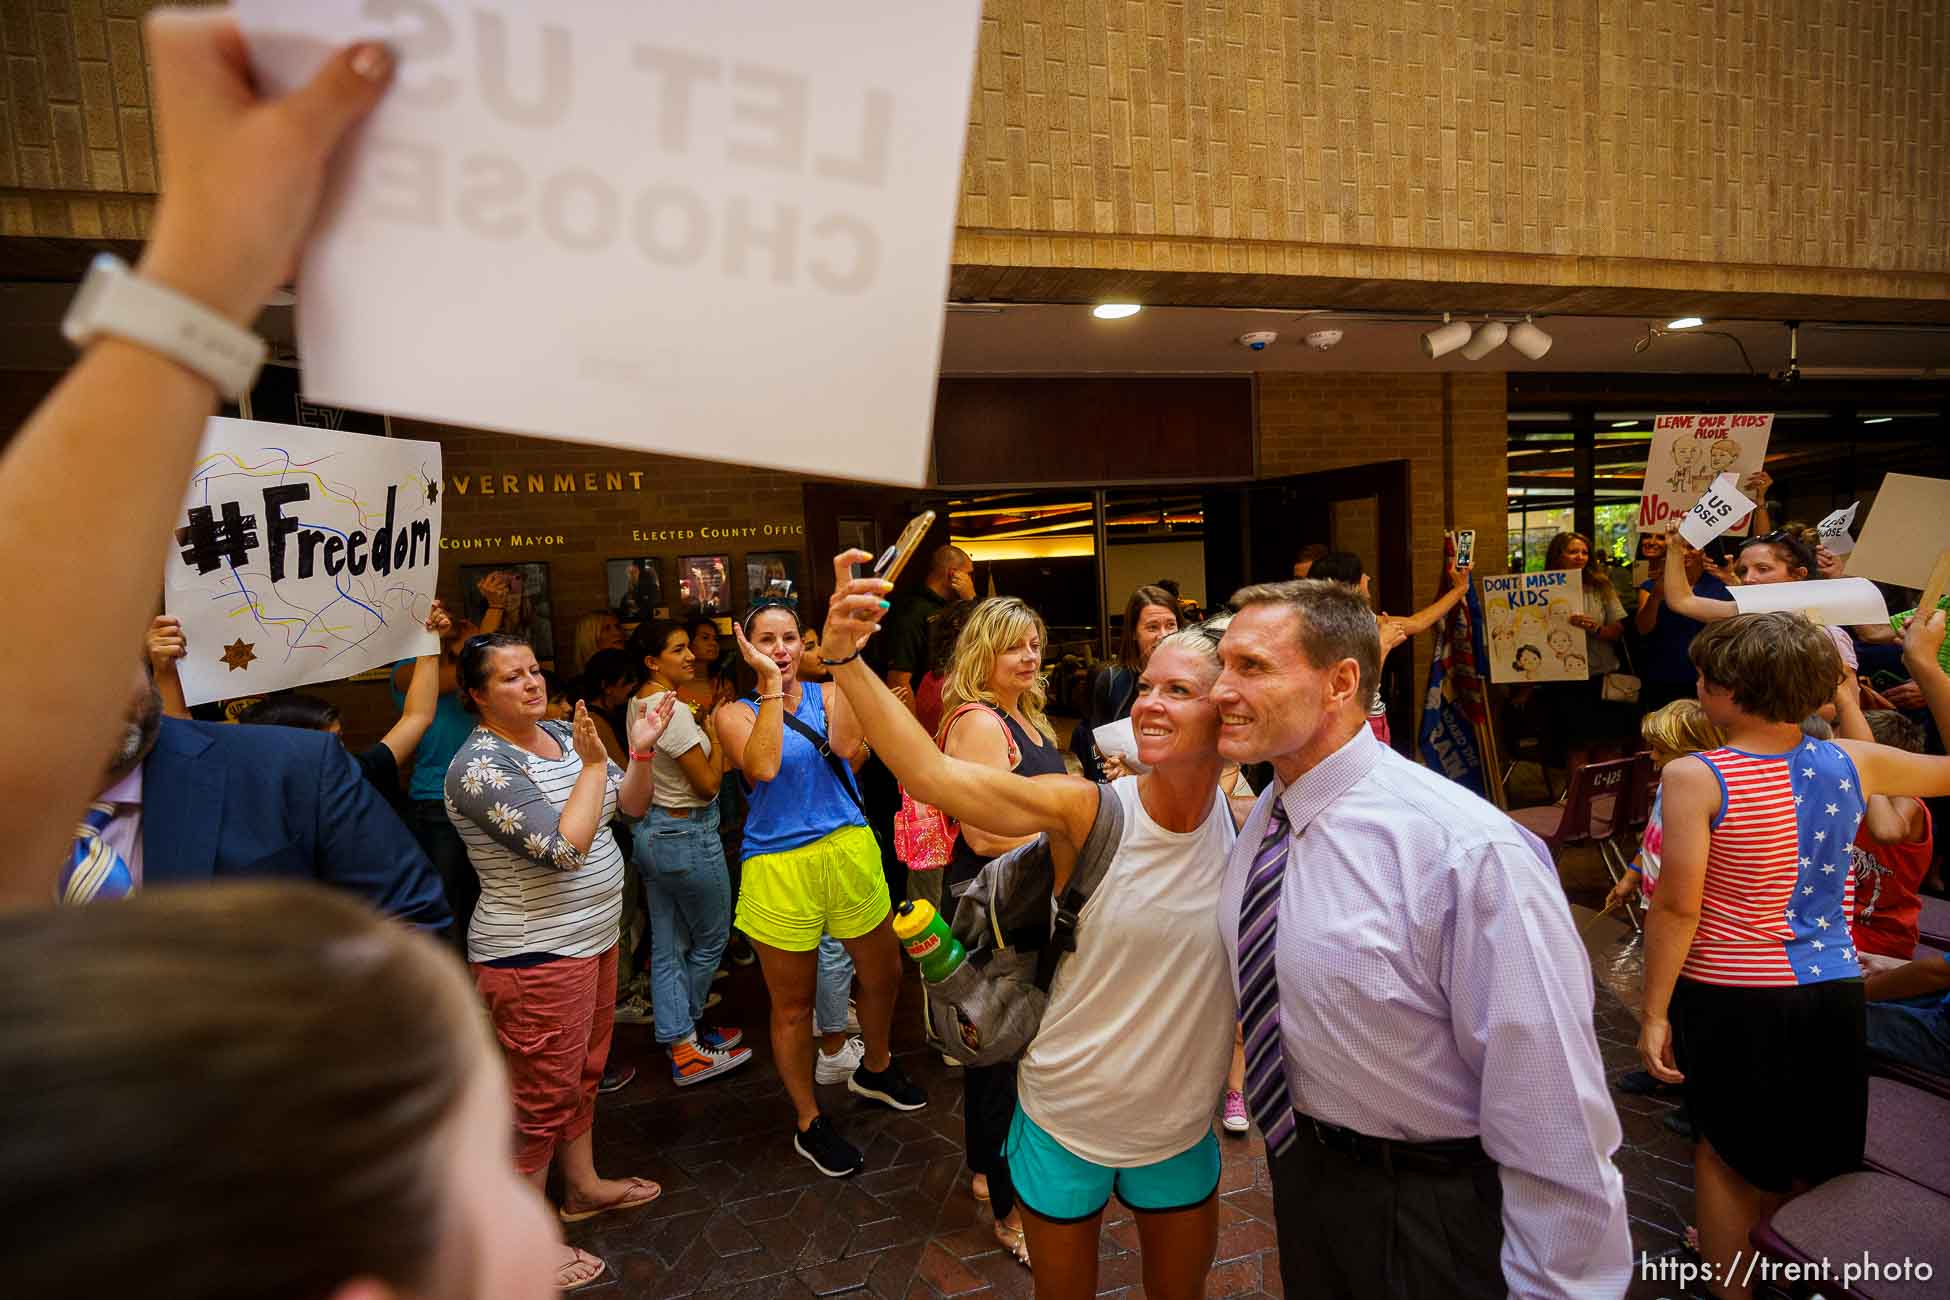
(1880,419)
(1685,323)
(1115,310)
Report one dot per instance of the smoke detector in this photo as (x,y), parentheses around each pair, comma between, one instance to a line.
(1321,340)
(1258,340)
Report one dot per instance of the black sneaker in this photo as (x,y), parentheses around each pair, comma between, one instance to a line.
(830,1153)
(1641,1083)
(1679,1121)
(889,1087)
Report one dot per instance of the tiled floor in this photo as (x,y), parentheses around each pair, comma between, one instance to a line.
(743,1216)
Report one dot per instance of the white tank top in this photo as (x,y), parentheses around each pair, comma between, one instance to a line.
(1133,1050)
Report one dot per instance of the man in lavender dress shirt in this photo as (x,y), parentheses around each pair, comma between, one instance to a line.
(1452,1131)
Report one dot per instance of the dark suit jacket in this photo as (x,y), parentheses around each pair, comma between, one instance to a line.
(222,801)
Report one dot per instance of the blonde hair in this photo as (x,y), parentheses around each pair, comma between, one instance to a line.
(589,630)
(998,623)
(1680,727)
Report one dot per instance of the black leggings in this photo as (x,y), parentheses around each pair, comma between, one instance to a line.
(988,1106)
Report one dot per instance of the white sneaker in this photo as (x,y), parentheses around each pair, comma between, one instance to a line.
(839,1067)
(852,1017)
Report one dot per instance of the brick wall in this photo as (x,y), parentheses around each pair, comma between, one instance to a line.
(1772,147)
(667,493)
(1451,428)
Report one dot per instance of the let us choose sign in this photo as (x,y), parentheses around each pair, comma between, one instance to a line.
(657,226)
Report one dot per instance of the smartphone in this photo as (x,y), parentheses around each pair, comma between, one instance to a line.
(1465,547)
(888,567)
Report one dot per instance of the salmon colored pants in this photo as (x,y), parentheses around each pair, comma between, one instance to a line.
(554,1022)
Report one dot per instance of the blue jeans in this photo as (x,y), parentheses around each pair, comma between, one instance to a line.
(1915,1031)
(687,892)
(835,982)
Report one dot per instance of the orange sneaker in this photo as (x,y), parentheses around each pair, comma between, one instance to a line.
(691,1063)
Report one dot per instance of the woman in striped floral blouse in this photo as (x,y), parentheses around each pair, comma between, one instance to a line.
(530,799)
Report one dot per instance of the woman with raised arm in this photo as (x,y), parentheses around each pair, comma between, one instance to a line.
(1764,558)
(1115,1093)
(811,867)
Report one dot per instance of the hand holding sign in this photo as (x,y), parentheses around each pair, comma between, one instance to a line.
(1722,506)
(302,555)
(597,221)
(1834,530)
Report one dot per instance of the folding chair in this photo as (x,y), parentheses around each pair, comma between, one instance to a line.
(1933,923)
(1628,826)
(1909,1134)
(1890,1218)
(1590,807)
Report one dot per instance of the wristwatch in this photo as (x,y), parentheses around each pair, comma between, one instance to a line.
(115,300)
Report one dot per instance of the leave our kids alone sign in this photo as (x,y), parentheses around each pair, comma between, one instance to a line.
(1688,452)
(1531,639)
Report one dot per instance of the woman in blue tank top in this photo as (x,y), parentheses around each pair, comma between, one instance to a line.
(811,865)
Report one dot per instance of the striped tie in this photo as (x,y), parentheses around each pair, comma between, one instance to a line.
(95,869)
(1259,988)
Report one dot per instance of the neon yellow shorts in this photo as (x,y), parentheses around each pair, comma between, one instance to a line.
(833,885)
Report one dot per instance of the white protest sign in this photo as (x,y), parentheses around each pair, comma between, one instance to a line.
(1527,617)
(302,555)
(1715,512)
(1908,526)
(1841,602)
(1119,740)
(1834,530)
(1688,452)
(667,227)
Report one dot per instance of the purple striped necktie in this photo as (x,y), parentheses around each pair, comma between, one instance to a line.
(1259,987)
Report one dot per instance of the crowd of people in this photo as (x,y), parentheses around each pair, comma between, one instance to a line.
(1292,921)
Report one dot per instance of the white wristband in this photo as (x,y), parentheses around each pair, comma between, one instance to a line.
(115,300)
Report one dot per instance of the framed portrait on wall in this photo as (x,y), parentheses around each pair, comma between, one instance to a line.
(530,615)
(858,534)
(636,588)
(704,585)
(772,575)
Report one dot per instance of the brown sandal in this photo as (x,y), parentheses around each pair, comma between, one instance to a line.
(565,1283)
(642,1192)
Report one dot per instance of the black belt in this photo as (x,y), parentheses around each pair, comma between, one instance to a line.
(1445,1156)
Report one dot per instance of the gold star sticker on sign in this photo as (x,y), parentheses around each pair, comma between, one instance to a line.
(238,654)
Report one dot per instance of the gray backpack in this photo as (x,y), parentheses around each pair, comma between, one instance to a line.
(1015,932)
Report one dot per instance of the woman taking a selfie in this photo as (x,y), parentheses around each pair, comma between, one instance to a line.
(811,866)
(1115,1092)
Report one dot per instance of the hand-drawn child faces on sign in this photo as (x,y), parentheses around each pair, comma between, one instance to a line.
(1531,637)
(1688,452)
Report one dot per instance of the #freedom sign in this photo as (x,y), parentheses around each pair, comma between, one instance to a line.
(302,555)
(1528,617)
(658,226)
(1688,452)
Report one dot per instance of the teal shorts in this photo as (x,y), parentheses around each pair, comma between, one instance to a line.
(1062,1187)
